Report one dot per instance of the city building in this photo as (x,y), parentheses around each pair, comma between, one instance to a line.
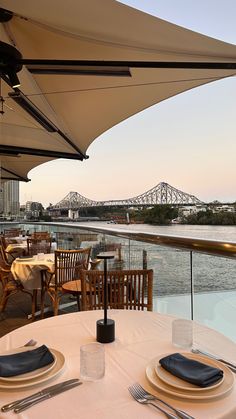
(33,209)
(223,208)
(191,209)
(9,199)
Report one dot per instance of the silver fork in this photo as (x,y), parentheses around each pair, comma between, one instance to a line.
(144,393)
(144,400)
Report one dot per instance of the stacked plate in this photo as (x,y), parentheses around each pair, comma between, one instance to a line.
(168,383)
(34,377)
(24,258)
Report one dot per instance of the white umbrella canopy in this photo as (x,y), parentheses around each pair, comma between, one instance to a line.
(80,107)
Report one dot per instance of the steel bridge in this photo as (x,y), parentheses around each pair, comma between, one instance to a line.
(163,193)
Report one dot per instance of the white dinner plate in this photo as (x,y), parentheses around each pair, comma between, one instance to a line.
(176,382)
(57,368)
(206,395)
(29,375)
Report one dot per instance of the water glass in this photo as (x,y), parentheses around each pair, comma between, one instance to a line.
(40,256)
(92,361)
(182,333)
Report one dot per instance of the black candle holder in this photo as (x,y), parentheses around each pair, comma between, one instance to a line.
(105,326)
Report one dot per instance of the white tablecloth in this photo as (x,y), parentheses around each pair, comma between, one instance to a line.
(17,239)
(140,336)
(29,271)
(16,249)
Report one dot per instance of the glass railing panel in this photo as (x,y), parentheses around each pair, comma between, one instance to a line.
(7,226)
(214,279)
(171,286)
(215,292)
(171,268)
(66,237)
(118,246)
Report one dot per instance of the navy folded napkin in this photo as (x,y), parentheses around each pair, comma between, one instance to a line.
(23,362)
(192,371)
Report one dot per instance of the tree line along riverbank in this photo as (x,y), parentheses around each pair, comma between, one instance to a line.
(165,214)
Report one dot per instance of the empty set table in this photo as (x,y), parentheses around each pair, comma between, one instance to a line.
(142,338)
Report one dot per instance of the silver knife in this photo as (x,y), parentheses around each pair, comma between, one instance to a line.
(217,358)
(46,396)
(11,405)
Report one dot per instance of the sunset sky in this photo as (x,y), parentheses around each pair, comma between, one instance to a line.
(187,141)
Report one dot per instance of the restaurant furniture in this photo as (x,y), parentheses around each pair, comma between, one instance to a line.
(105,326)
(75,240)
(141,336)
(74,288)
(33,274)
(107,247)
(28,270)
(126,289)
(94,263)
(3,241)
(68,265)
(35,246)
(10,286)
(11,250)
(12,232)
(6,256)
(41,235)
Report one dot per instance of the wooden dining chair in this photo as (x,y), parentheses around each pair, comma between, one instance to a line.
(126,289)
(12,232)
(7,257)
(35,246)
(10,287)
(68,266)
(41,235)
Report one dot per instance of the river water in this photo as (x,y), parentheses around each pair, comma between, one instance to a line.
(226,233)
(172,267)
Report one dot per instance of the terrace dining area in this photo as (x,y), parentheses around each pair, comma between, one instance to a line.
(143,338)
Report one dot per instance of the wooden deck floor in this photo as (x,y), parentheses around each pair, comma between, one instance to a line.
(19,307)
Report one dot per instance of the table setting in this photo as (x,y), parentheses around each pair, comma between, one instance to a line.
(125,378)
(25,367)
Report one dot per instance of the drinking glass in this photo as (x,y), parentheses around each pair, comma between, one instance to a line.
(182,333)
(92,361)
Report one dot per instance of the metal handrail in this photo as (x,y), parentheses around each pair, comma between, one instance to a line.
(211,247)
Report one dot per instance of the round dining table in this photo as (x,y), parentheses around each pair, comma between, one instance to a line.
(28,270)
(140,337)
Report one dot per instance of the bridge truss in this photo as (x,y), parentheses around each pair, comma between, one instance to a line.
(163,193)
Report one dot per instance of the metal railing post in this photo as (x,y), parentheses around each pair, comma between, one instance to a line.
(191,283)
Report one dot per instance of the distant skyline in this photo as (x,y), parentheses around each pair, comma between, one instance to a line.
(187,141)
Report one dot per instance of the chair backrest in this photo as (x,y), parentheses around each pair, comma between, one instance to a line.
(3,242)
(35,246)
(3,258)
(69,264)
(6,257)
(126,289)
(13,232)
(5,268)
(40,235)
